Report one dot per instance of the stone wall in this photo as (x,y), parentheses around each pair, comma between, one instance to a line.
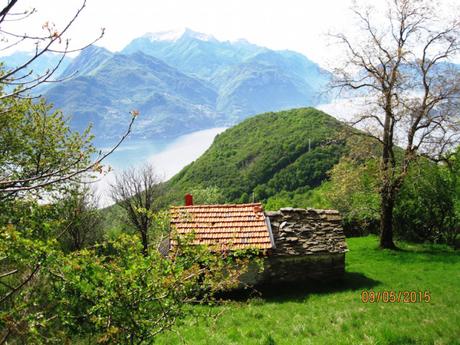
(300,232)
(309,245)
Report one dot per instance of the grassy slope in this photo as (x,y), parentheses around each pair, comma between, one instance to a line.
(336,315)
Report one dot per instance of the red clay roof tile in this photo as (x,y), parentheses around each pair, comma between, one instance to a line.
(233,226)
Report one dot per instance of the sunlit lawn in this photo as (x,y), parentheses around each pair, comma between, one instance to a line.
(335,314)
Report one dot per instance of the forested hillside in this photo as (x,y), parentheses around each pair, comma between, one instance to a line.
(264,155)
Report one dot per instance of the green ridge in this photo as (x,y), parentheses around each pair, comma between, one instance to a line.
(284,151)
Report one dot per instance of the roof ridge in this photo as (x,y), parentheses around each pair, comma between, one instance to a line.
(219,205)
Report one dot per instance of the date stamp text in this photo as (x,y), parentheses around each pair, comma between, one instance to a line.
(392,296)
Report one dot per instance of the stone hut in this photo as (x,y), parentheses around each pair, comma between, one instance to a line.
(297,244)
(309,245)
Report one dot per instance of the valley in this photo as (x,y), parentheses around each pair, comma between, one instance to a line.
(180,84)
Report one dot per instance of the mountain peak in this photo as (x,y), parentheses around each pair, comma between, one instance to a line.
(169,35)
(174,35)
(198,35)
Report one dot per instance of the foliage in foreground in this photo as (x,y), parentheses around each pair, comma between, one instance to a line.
(111,293)
(59,277)
(38,152)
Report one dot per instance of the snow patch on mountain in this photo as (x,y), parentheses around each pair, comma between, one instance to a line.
(174,35)
(170,35)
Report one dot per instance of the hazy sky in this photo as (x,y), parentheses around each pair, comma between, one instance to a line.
(299,25)
(279,24)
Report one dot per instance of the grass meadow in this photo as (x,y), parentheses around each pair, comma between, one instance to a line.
(335,313)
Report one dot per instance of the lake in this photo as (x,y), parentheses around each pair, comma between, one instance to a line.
(168,157)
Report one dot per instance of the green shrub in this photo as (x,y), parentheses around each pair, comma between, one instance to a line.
(425,207)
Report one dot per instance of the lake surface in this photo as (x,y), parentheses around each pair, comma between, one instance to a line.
(167,157)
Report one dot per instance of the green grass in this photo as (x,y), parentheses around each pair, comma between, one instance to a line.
(335,314)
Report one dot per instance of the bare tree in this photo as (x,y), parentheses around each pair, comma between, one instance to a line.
(401,64)
(51,39)
(17,83)
(136,190)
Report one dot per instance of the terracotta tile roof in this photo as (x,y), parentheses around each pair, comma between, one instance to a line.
(230,226)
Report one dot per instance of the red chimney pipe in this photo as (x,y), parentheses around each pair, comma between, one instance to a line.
(188,199)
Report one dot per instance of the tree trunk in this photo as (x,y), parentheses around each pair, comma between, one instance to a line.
(387,168)
(386,222)
(145,243)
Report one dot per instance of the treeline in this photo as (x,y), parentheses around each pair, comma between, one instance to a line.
(427,207)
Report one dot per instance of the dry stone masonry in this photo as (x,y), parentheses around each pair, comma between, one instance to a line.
(309,246)
(300,232)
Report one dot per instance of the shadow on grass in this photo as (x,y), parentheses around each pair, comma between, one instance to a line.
(407,252)
(284,292)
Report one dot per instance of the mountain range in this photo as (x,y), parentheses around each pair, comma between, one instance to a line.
(40,65)
(182,82)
